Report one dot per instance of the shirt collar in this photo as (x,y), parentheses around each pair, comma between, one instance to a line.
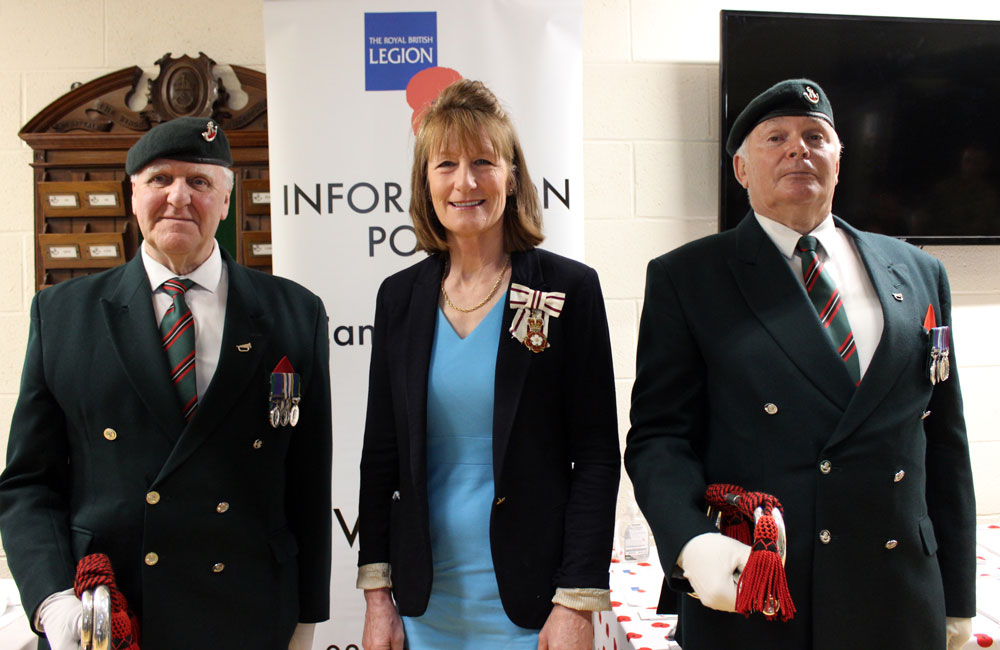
(206,276)
(785,239)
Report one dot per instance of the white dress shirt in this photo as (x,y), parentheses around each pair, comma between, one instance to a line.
(207,301)
(841,260)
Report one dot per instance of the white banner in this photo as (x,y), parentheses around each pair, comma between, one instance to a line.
(343,79)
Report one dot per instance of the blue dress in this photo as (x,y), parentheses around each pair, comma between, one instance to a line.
(464,609)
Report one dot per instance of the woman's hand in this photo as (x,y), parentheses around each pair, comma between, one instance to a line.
(383,626)
(566,629)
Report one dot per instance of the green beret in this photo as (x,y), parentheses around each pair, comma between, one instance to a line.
(788,97)
(188,139)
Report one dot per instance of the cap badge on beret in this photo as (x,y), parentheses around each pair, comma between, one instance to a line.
(790,97)
(210,132)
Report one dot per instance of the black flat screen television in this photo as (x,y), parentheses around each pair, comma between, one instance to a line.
(917,107)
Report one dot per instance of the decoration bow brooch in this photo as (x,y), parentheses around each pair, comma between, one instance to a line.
(531,320)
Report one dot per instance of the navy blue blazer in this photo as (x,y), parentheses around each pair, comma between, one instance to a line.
(241,526)
(556,461)
(726,329)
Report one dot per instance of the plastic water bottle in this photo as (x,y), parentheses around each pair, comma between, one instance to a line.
(636,542)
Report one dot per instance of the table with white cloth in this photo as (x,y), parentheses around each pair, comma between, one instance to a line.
(15,633)
(632,623)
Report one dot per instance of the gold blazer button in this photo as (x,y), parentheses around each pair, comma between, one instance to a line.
(110,434)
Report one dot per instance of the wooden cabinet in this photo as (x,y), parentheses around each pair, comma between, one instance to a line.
(83,212)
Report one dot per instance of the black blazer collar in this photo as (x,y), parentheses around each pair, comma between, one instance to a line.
(779,301)
(131,324)
(889,278)
(766,282)
(246,337)
(513,361)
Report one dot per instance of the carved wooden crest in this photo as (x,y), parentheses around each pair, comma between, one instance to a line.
(185,87)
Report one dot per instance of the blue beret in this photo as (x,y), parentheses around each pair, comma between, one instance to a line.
(188,139)
(788,97)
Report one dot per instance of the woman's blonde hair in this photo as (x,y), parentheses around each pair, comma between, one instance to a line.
(466,110)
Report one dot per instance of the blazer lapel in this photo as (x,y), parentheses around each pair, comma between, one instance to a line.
(894,347)
(780,303)
(247,322)
(419,338)
(131,323)
(513,360)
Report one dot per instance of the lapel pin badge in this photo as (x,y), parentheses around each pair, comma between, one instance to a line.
(244,347)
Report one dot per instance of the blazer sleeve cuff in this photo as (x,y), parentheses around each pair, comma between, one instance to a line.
(583,599)
(374,576)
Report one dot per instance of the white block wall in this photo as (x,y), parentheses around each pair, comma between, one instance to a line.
(650,144)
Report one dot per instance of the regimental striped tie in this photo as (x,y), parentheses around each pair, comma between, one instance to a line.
(177,332)
(825,298)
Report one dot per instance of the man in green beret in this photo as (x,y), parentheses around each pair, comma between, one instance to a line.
(174,415)
(798,357)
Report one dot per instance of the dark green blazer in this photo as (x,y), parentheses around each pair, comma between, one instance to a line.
(556,463)
(97,429)
(726,329)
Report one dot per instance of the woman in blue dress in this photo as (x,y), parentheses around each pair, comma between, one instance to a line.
(490,465)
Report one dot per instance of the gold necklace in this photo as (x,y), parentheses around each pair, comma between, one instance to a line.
(485,300)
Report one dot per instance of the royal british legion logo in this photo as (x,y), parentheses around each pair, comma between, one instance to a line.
(397,46)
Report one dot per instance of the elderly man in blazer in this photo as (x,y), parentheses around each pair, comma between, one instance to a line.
(858,432)
(215,516)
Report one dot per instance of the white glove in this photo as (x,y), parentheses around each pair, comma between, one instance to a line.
(302,638)
(712,563)
(59,618)
(958,631)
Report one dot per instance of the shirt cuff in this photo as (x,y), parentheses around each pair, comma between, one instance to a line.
(584,599)
(374,576)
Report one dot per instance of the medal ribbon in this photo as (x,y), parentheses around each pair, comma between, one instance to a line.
(941,339)
(284,385)
(526,300)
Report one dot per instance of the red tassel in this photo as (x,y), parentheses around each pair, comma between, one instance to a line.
(763,586)
(735,527)
(94,570)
